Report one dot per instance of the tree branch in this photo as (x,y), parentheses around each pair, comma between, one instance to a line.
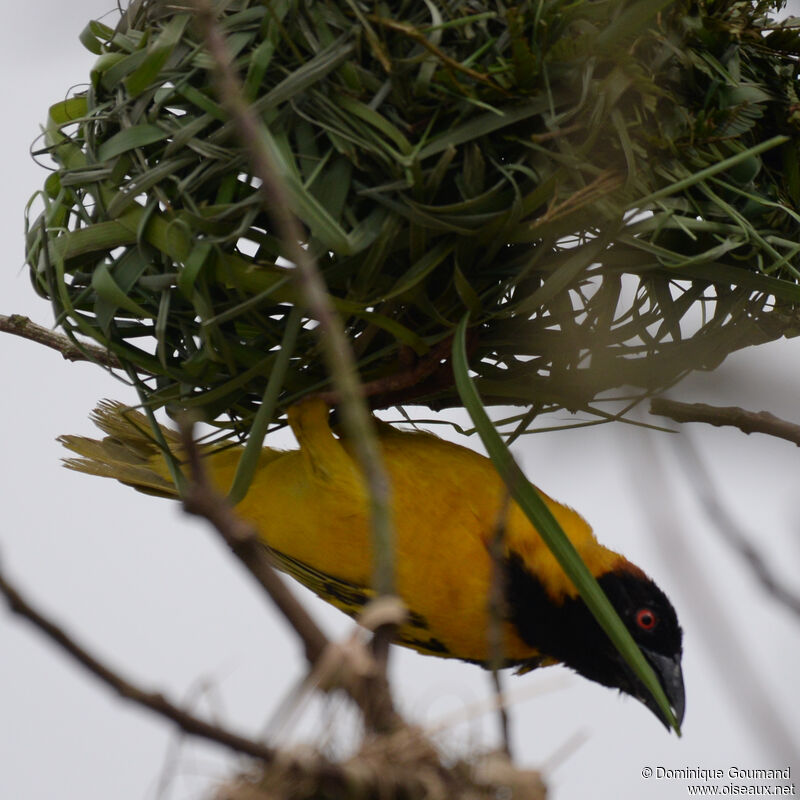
(155,701)
(413,374)
(697,475)
(746,421)
(21,326)
(338,355)
(401,765)
(497,613)
(350,668)
(203,500)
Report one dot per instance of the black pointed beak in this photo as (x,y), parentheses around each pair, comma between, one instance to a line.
(670,676)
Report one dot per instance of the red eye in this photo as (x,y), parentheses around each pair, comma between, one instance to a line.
(645,619)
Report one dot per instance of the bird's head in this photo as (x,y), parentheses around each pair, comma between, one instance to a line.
(564,629)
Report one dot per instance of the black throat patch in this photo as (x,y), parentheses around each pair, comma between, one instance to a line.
(562,629)
(566,630)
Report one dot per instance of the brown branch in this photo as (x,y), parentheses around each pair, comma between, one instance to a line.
(605,183)
(698,477)
(431,375)
(155,701)
(393,385)
(21,326)
(746,421)
(718,628)
(345,667)
(203,500)
(450,63)
(277,203)
(497,613)
(539,138)
(362,775)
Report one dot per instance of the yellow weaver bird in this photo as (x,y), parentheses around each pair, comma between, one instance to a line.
(310,507)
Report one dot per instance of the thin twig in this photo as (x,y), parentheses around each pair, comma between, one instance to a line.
(432,374)
(341,365)
(360,777)
(203,500)
(605,183)
(409,376)
(155,701)
(350,669)
(21,326)
(746,421)
(415,379)
(497,613)
(697,475)
(450,63)
(726,639)
(539,138)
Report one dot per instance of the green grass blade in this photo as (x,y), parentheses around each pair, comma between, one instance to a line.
(129,139)
(161,49)
(714,169)
(108,290)
(246,468)
(554,537)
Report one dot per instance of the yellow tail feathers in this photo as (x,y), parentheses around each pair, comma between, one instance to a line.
(128,452)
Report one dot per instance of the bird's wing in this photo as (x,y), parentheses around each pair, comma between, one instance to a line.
(352,597)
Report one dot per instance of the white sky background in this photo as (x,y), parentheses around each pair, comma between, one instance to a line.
(160,599)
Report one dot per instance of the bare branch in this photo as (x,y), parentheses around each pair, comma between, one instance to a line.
(409,765)
(348,668)
(434,366)
(203,500)
(422,39)
(21,326)
(697,475)
(746,421)
(341,364)
(155,701)
(739,670)
(497,613)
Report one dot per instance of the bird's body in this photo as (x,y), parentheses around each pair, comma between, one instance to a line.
(310,507)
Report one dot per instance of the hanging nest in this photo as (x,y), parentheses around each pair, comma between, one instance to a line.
(608,188)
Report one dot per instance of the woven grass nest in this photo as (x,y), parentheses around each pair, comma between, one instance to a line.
(580,177)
